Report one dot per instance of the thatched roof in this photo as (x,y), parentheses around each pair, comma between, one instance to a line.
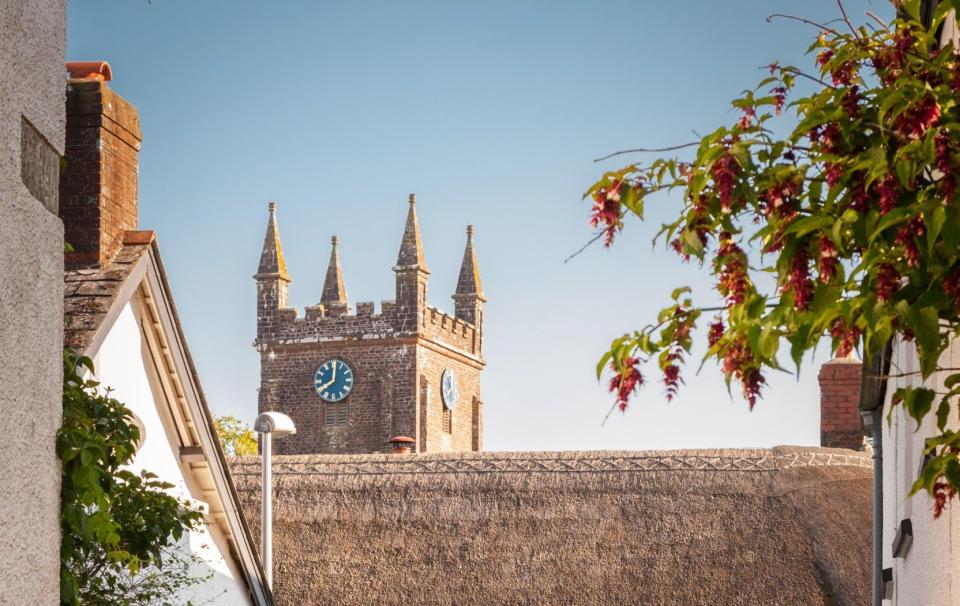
(780,526)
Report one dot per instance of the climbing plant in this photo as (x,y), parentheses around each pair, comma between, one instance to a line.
(118,527)
(846,227)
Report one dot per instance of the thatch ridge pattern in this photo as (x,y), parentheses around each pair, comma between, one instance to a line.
(559,462)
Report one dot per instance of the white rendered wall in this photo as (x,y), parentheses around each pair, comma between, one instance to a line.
(929,575)
(32,87)
(120,365)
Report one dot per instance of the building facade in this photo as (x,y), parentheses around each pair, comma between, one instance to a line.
(33,45)
(921,553)
(351,380)
(119,311)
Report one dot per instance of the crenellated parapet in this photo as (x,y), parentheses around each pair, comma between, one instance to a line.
(318,324)
(408,315)
(447,329)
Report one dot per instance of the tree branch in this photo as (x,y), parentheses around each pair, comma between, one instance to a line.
(846,19)
(882,23)
(802,20)
(797,72)
(647,150)
(596,237)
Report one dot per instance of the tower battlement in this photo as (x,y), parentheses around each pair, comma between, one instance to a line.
(316,324)
(410,369)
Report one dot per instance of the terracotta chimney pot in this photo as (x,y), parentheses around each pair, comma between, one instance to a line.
(90,70)
(401,444)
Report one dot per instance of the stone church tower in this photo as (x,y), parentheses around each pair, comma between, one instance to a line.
(351,381)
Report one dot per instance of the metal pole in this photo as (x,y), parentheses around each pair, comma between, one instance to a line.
(266,498)
(873,419)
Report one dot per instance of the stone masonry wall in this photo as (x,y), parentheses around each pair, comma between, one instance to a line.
(380,405)
(430,366)
(396,377)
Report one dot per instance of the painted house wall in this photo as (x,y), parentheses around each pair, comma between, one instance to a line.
(926,576)
(32,45)
(124,364)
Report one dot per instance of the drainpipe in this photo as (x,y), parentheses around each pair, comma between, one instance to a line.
(873,391)
(873,420)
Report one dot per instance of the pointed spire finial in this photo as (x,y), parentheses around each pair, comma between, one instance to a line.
(411,247)
(469,281)
(333,288)
(412,199)
(272,263)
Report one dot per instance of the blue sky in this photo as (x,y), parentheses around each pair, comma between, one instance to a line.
(492,113)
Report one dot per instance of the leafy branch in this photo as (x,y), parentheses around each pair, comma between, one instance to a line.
(854,214)
(115,524)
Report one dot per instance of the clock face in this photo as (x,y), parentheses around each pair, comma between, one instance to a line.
(448,388)
(333,380)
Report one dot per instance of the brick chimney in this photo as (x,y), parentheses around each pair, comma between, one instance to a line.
(98,188)
(840,425)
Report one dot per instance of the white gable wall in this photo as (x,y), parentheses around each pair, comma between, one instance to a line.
(124,364)
(926,576)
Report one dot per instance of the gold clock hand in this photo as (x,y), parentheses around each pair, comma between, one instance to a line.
(333,378)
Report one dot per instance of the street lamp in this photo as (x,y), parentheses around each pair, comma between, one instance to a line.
(269,425)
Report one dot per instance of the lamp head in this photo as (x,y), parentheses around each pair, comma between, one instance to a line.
(275,423)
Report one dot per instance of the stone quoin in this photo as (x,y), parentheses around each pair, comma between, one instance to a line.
(351,381)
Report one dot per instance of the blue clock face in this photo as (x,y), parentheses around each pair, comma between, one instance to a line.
(448,389)
(333,380)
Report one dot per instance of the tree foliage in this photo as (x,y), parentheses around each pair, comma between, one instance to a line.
(848,226)
(236,437)
(116,525)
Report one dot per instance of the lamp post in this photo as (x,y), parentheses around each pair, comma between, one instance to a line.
(269,425)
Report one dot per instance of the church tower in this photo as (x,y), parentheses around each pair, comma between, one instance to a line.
(352,379)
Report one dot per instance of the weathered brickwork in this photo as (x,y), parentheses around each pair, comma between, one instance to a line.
(840,424)
(397,356)
(98,189)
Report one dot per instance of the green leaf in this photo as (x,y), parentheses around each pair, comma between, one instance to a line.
(926,326)
(943,413)
(916,401)
(691,243)
(912,8)
(806,225)
(934,222)
(894,217)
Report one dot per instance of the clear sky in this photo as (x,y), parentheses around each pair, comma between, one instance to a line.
(492,112)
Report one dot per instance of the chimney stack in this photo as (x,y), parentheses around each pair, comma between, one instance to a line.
(98,188)
(840,424)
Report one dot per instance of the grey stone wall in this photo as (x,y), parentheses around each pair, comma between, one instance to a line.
(33,45)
